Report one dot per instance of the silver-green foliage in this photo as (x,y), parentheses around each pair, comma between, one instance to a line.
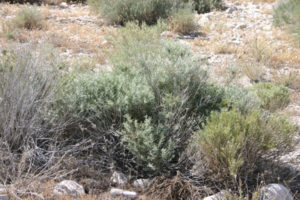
(158,85)
(240,98)
(122,11)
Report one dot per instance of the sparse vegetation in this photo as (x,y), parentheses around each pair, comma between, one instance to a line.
(29,18)
(287,13)
(162,97)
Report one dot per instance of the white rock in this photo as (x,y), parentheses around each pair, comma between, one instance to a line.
(204,20)
(231,9)
(2,189)
(3,193)
(63,5)
(4,197)
(119,178)
(275,192)
(68,187)
(125,193)
(222,195)
(142,183)
(167,34)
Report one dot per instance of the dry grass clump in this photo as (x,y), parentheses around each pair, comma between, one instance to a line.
(174,188)
(29,18)
(182,21)
(254,71)
(224,48)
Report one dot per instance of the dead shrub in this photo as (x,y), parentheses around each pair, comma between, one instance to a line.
(174,188)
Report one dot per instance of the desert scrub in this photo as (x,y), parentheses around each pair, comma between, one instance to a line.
(182,21)
(233,143)
(155,97)
(29,17)
(272,96)
(29,84)
(287,13)
(122,11)
(203,6)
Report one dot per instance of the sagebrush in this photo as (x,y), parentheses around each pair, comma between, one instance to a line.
(157,93)
(122,11)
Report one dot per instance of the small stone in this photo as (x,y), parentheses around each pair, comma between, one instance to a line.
(63,5)
(167,34)
(68,187)
(222,195)
(275,192)
(141,183)
(4,197)
(125,193)
(242,26)
(119,179)
(267,28)
(231,9)
(204,20)
(3,193)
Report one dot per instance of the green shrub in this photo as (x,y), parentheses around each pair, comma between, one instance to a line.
(157,93)
(240,98)
(29,18)
(122,11)
(233,143)
(182,21)
(272,97)
(203,6)
(287,13)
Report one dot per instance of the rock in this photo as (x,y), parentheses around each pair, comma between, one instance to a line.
(63,5)
(242,26)
(119,179)
(231,9)
(3,193)
(125,193)
(142,183)
(4,197)
(204,20)
(167,34)
(222,195)
(275,192)
(68,187)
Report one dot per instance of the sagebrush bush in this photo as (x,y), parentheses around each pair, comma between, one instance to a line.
(122,11)
(157,93)
(203,6)
(233,143)
(28,17)
(287,13)
(182,21)
(240,98)
(272,97)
